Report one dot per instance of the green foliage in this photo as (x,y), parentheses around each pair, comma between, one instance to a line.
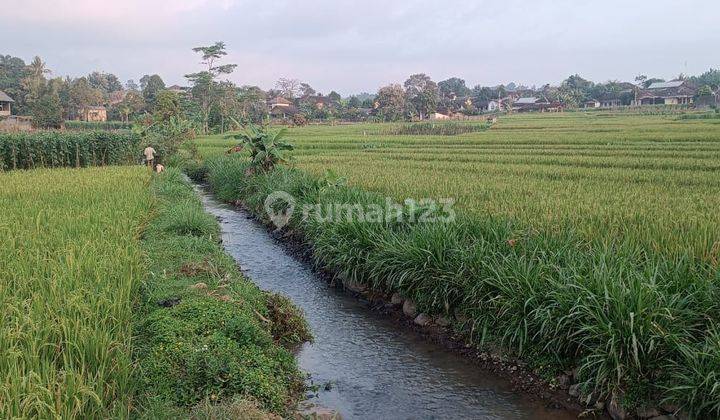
(288,326)
(46,111)
(97,125)
(41,149)
(151,87)
(267,148)
(167,106)
(70,269)
(185,217)
(204,331)
(437,128)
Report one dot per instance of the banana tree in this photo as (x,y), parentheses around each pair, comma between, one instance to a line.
(267,148)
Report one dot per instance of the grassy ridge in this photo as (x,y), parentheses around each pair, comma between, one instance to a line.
(50,149)
(70,264)
(207,337)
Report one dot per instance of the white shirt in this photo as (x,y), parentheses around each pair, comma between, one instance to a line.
(149,153)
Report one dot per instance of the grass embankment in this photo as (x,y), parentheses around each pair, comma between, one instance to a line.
(207,337)
(70,266)
(584,240)
(96,322)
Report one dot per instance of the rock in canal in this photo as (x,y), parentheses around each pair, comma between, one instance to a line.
(423,320)
(409,308)
(442,321)
(397,299)
(316,412)
(355,286)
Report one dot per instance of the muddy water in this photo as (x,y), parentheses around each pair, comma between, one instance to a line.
(375,369)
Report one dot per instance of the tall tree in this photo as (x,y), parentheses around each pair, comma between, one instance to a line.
(253,105)
(334,96)
(34,83)
(453,87)
(105,82)
(151,87)
(12,72)
(46,109)
(289,88)
(132,104)
(167,105)
(82,95)
(205,87)
(422,93)
(306,90)
(131,85)
(390,102)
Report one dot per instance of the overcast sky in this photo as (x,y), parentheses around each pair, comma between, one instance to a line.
(354,46)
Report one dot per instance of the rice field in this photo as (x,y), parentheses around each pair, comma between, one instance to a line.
(648,181)
(70,266)
(585,242)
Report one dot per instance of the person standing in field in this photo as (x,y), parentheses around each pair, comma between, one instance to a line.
(149,153)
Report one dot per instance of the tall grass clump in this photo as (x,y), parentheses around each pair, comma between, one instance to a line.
(451,128)
(50,149)
(97,125)
(701,116)
(635,324)
(70,268)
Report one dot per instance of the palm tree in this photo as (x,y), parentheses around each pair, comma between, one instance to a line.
(35,81)
(38,69)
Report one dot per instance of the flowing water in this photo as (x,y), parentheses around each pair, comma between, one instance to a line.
(375,370)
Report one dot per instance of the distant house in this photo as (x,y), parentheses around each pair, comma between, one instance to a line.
(532,103)
(609,100)
(593,103)
(278,102)
(489,106)
(5,103)
(438,116)
(676,92)
(178,89)
(284,111)
(320,102)
(93,114)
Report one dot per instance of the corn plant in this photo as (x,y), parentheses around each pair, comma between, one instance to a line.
(50,149)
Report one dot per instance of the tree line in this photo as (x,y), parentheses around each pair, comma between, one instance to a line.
(211,103)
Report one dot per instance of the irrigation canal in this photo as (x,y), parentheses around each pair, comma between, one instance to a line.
(374,368)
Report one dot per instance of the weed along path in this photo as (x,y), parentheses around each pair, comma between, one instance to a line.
(372,368)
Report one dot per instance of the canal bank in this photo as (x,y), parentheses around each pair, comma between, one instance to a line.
(362,362)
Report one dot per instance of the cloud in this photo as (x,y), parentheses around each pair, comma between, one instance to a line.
(350,46)
(105,12)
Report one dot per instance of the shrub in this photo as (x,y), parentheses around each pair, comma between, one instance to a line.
(437,128)
(186,217)
(267,149)
(97,125)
